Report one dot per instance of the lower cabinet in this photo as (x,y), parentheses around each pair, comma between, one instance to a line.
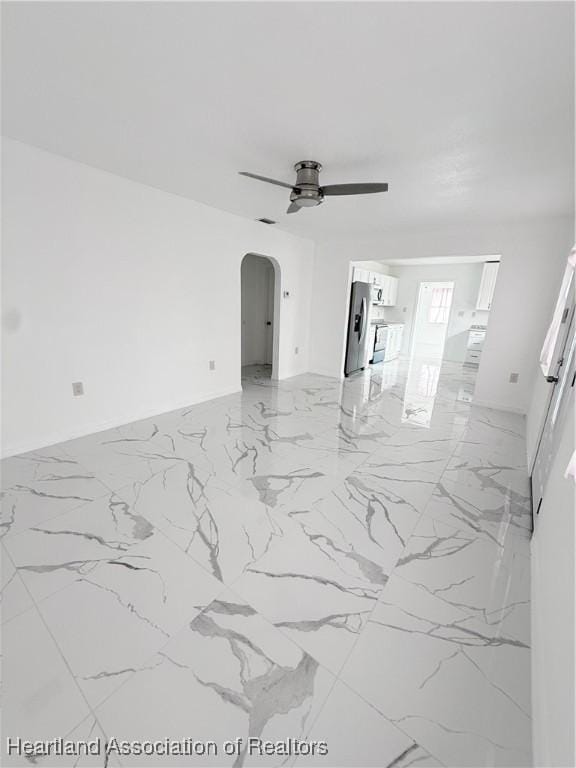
(393,342)
(475,343)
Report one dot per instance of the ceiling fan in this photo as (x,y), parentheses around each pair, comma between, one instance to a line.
(307,192)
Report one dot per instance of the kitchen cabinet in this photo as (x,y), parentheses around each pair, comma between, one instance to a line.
(387,283)
(394,341)
(476,337)
(389,290)
(361,275)
(487,285)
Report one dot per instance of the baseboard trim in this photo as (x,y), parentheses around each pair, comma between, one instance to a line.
(89,429)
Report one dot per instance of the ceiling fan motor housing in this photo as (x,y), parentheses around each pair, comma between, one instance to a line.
(306,192)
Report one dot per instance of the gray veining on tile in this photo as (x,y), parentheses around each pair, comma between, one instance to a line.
(310,558)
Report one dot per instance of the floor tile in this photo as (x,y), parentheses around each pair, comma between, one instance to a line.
(93,755)
(418,662)
(14,595)
(46,484)
(374,528)
(442,439)
(356,733)
(496,516)
(29,467)
(110,621)
(122,455)
(469,573)
(227,675)
(223,529)
(409,494)
(487,471)
(40,696)
(316,593)
(56,553)
(406,462)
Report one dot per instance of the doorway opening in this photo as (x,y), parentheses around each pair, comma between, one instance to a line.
(431,320)
(259,319)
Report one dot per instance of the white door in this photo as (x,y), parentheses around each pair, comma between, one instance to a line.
(270,315)
(563,381)
(431,320)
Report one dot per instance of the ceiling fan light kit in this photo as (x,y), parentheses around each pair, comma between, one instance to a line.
(307,192)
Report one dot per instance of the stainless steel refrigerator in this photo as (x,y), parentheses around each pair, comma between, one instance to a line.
(358,327)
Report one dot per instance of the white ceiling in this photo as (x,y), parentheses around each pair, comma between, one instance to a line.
(466,109)
(427,261)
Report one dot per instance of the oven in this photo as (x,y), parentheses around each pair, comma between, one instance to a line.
(380,340)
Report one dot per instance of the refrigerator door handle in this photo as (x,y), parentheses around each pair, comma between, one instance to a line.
(362,321)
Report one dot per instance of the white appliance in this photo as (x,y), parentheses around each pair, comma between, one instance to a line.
(385,341)
(371,340)
(380,341)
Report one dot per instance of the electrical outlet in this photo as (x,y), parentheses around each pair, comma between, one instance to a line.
(295,350)
(404,309)
(212,365)
(77,388)
(514,378)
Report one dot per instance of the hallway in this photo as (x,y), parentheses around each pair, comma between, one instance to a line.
(307,559)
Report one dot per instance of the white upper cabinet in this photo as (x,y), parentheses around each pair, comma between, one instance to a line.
(388,283)
(361,275)
(487,285)
(389,290)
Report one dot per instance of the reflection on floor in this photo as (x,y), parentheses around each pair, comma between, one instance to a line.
(423,377)
(256,375)
(313,559)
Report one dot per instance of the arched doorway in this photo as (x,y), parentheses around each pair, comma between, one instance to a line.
(260,299)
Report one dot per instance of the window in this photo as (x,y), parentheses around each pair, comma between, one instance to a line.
(440,305)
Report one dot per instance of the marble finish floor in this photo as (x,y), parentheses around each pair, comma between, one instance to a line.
(309,559)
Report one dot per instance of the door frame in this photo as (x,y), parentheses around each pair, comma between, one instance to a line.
(417,305)
(556,379)
(276,311)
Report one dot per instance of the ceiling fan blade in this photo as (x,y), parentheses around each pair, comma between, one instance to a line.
(266,179)
(293,208)
(354,189)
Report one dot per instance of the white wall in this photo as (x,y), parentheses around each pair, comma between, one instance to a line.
(553,589)
(466,279)
(257,309)
(373,266)
(532,254)
(553,599)
(128,289)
